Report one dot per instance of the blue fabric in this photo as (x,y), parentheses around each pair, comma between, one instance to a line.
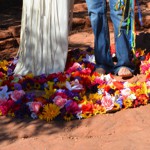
(97,10)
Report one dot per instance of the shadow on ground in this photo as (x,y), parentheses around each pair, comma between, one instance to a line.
(12,129)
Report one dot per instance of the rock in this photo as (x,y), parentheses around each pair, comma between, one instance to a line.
(8,43)
(18,40)
(148,5)
(5,34)
(8,53)
(78,23)
(15,30)
(146,21)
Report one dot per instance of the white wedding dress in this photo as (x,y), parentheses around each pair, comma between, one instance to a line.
(44,36)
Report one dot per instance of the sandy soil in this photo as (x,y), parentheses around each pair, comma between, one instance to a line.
(124,130)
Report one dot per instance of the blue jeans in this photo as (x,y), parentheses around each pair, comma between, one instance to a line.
(98,15)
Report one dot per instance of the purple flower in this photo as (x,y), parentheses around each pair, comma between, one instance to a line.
(17,86)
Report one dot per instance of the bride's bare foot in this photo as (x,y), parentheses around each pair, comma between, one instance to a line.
(100,70)
(125,72)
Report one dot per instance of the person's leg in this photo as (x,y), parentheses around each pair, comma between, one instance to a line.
(97,13)
(124,67)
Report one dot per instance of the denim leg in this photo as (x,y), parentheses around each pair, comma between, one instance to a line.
(97,13)
(123,48)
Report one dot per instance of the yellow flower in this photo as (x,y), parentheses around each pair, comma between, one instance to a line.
(3,65)
(103,110)
(61,84)
(50,111)
(37,85)
(50,84)
(48,93)
(117,92)
(95,97)
(93,78)
(80,58)
(68,117)
(142,90)
(116,107)
(1,113)
(29,75)
(98,109)
(85,100)
(50,90)
(11,114)
(127,103)
(86,115)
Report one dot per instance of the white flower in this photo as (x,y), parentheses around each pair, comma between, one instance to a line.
(148,83)
(34,115)
(89,58)
(100,91)
(126,84)
(132,96)
(108,78)
(79,115)
(126,92)
(74,85)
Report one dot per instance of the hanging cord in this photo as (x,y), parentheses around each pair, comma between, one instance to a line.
(121,5)
(139,13)
(133,32)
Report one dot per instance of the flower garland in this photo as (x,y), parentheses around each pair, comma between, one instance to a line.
(77,93)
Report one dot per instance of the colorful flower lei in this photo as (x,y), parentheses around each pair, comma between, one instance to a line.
(76,93)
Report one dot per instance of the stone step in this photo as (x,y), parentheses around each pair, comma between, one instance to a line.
(15,30)
(8,53)
(5,35)
(8,43)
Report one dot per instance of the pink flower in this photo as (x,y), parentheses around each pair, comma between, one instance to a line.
(74,67)
(108,101)
(148,84)
(34,106)
(99,81)
(16,95)
(59,101)
(72,107)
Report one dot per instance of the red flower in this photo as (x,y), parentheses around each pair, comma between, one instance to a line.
(107,88)
(87,108)
(76,74)
(118,85)
(1,75)
(62,77)
(86,71)
(91,66)
(5,107)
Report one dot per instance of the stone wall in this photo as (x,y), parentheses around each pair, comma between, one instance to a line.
(10,23)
